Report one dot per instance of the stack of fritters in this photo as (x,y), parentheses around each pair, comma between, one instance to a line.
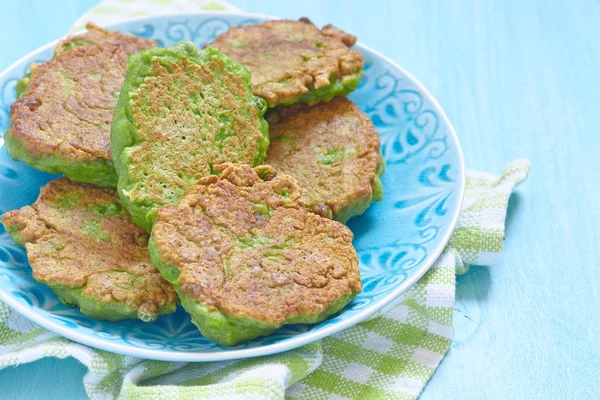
(247,247)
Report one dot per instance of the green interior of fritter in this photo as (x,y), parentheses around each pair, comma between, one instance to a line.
(76,43)
(228,330)
(378,187)
(192,124)
(99,172)
(15,234)
(111,311)
(331,156)
(354,209)
(361,205)
(22,85)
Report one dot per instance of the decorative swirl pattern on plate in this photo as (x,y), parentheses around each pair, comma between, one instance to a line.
(394,238)
(199,33)
(406,124)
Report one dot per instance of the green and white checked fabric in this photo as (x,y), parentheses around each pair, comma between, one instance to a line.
(390,356)
(479,233)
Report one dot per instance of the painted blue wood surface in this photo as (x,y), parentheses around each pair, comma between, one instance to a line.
(517,79)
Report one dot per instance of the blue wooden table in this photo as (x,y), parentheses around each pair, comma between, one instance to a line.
(517,79)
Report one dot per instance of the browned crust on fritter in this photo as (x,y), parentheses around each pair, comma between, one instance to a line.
(301,138)
(166,110)
(70,101)
(96,35)
(288,58)
(236,259)
(110,264)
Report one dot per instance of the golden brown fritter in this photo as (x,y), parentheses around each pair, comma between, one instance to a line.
(69,104)
(68,107)
(293,61)
(96,35)
(332,149)
(245,248)
(79,237)
(61,124)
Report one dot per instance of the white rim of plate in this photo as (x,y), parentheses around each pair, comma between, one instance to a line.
(284,345)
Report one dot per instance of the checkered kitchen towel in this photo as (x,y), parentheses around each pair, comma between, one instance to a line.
(390,356)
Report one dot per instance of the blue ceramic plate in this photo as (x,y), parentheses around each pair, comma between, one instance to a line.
(397,239)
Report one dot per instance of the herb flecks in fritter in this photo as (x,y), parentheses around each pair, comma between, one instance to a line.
(294,61)
(61,119)
(84,246)
(181,111)
(246,258)
(332,149)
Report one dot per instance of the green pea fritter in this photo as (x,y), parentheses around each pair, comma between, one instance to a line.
(332,149)
(294,61)
(94,35)
(181,111)
(81,242)
(246,258)
(61,119)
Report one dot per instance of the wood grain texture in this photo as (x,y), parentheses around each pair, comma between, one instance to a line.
(517,79)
